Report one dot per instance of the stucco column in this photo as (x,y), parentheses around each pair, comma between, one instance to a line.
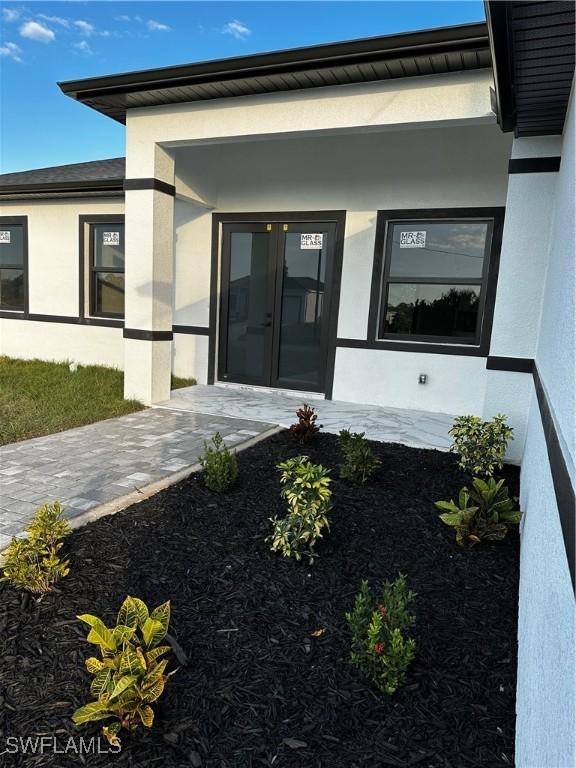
(149,274)
(523,263)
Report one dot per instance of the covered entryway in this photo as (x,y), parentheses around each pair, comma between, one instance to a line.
(279,278)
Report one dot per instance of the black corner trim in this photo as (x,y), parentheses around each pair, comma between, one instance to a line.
(156,184)
(193,330)
(534,165)
(517,364)
(137,333)
(563,488)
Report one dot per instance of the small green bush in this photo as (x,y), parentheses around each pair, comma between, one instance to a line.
(359,461)
(481,445)
(305,429)
(32,563)
(220,465)
(305,486)
(380,647)
(129,677)
(485,511)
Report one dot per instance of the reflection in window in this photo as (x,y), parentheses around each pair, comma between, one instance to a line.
(434,279)
(432,310)
(302,310)
(12,263)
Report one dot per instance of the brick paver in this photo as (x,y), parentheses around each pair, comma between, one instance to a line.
(88,466)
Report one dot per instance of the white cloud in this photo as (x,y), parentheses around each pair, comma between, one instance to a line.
(156,26)
(11,50)
(10,14)
(237,29)
(55,20)
(122,18)
(84,47)
(33,30)
(85,27)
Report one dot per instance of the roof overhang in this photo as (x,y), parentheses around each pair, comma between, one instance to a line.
(532,48)
(428,52)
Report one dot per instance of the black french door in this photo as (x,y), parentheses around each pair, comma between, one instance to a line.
(275,303)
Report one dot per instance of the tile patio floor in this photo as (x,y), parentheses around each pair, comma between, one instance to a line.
(420,429)
(89,466)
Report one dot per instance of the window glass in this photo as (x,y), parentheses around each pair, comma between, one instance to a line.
(110,293)
(12,289)
(108,245)
(432,310)
(441,249)
(107,269)
(11,245)
(12,262)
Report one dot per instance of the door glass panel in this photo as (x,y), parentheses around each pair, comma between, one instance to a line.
(247,305)
(445,249)
(302,309)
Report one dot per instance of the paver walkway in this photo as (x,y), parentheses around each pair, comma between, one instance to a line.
(91,465)
(420,429)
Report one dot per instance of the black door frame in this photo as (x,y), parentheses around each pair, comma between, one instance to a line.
(332,283)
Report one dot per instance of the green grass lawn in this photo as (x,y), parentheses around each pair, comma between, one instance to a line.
(39,398)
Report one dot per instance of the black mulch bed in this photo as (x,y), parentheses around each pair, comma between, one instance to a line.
(258,689)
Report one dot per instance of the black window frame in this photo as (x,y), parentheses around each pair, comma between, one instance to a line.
(21,221)
(86,224)
(381,279)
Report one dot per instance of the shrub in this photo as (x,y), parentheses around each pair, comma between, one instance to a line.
(380,648)
(305,488)
(130,675)
(33,563)
(481,445)
(359,461)
(484,511)
(305,428)
(220,465)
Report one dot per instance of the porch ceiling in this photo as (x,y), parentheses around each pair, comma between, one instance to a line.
(429,52)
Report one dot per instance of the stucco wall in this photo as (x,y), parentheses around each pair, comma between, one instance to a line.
(546,717)
(53,279)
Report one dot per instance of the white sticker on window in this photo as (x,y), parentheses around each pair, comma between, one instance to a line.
(413,239)
(311,241)
(111,238)
(5,236)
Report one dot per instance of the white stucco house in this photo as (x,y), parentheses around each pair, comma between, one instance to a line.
(350,220)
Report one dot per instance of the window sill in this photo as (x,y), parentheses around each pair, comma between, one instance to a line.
(439,348)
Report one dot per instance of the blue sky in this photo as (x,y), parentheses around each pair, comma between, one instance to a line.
(44,42)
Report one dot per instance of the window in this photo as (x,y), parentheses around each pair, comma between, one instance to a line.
(435,275)
(106,254)
(13,263)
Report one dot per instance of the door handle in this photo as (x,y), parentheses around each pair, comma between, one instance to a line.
(267,324)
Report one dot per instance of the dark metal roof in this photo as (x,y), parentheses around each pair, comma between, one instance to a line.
(428,52)
(98,178)
(533,51)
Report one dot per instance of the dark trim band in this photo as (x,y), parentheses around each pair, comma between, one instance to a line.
(413,346)
(194,330)
(563,488)
(65,319)
(142,335)
(517,364)
(156,184)
(534,165)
